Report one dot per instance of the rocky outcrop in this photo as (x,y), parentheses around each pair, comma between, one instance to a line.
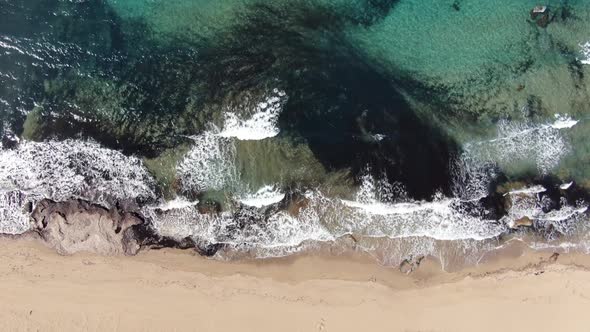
(77,225)
(293,203)
(522,222)
(542,204)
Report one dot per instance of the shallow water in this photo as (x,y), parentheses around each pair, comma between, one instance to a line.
(309,123)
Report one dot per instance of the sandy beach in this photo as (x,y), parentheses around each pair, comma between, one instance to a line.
(175,290)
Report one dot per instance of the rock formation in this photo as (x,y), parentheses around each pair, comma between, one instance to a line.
(77,225)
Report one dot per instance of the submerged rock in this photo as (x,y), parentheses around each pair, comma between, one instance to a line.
(541,16)
(209,207)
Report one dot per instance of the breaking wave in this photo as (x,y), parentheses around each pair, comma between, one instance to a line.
(75,169)
(65,170)
(268,223)
(265,196)
(585,53)
(210,163)
(522,142)
(262,122)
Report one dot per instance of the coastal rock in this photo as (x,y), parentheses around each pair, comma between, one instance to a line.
(410,265)
(543,206)
(293,203)
(9,141)
(524,221)
(77,225)
(201,246)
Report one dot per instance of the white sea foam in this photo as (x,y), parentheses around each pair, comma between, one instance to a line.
(10,136)
(566,186)
(439,220)
(528,190)
(471,177)
(13,220)
(585,53)
(261,122)
(72,168)
(265,196)
(563,214)
(528,203)
(64,170)
(563,122)
(324,219)
(521,141)
(177,203)
(379,137)
(478,164)
(209,165)
(247,229)
(442,219)
(384,209)
(564,246)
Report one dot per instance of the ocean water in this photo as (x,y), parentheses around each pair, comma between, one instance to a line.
(396,127)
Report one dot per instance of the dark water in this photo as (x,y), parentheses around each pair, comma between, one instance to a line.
(402,123)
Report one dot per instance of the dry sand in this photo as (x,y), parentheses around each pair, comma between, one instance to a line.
(171,290)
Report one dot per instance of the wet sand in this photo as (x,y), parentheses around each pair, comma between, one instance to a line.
(176,290)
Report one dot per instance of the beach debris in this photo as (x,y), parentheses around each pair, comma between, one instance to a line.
(553,258)
(410,264)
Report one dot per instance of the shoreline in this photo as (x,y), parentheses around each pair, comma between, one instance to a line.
(174,289)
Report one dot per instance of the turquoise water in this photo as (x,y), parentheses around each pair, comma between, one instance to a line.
(374,102)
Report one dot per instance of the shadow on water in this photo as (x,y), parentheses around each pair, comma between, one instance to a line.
(344,106)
